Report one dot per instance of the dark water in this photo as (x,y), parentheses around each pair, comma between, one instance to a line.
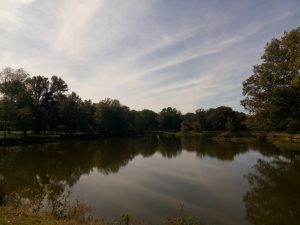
(222,183)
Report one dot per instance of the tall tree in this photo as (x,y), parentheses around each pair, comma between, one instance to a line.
(112,117)
(145,120)
(220,118)
(16,100)
(170,119)
(272,92)
(57,93)
(70,112)
(38,86)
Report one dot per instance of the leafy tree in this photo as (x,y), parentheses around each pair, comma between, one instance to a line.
(16,101)
(58,86)
(145,120)
(24,119)
(87,118)
(292,126)
(201,120)
(170,119)
(70,113)
(188,123)
(38,86)
(111,117)
(272,92)
(217,118)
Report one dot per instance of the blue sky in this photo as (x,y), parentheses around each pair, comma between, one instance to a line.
(187,54)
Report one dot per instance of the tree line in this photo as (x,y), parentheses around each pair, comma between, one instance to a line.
(41,104)
(272,100)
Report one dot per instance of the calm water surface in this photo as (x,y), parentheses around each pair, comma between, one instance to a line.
(222,183)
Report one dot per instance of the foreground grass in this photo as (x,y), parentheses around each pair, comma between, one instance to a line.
(9,216)
(21,216)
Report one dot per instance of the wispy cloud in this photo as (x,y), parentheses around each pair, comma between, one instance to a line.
(148,54)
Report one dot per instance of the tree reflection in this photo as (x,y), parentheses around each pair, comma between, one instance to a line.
(221,151)
(273,198)
(36,170)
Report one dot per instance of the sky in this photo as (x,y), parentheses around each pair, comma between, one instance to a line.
(151,54)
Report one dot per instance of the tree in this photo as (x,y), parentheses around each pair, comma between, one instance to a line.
(170,119)
(87,111)
(292,126)
(38,86)
(201,120)
(70,113)
(111,117)
(219,117)
(145,120)
(16,101)
(58,86)
(188,123)
(272,92)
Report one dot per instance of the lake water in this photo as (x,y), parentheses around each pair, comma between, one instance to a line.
(147,177)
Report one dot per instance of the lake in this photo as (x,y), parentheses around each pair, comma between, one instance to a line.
(147,177)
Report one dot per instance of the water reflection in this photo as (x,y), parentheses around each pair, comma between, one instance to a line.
(34,171)
(274,196)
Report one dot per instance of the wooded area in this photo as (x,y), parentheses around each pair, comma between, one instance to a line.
(42,104)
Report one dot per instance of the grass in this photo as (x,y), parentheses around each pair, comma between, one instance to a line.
(283,141)
(283,136)
(287,146)
(21,216)
(60,211)
(242,136)
(9,216)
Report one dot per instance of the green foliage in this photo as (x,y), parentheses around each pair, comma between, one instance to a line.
(145,120)
(273,91)
(43,105)
(170,119)
(29,103)
(70,112)
(111,117)
(219,119)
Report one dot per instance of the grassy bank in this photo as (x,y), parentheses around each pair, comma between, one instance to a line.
(283,141)
(12,216)
(280,140)
(242,136)
(9,216)
(17,138)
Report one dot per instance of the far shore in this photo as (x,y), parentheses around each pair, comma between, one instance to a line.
(281,140)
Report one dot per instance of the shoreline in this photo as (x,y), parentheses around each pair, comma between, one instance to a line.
(278,139)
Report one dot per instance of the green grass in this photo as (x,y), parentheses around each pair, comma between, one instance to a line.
(20,216)
(9,216)
(283,141)
(283,136)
